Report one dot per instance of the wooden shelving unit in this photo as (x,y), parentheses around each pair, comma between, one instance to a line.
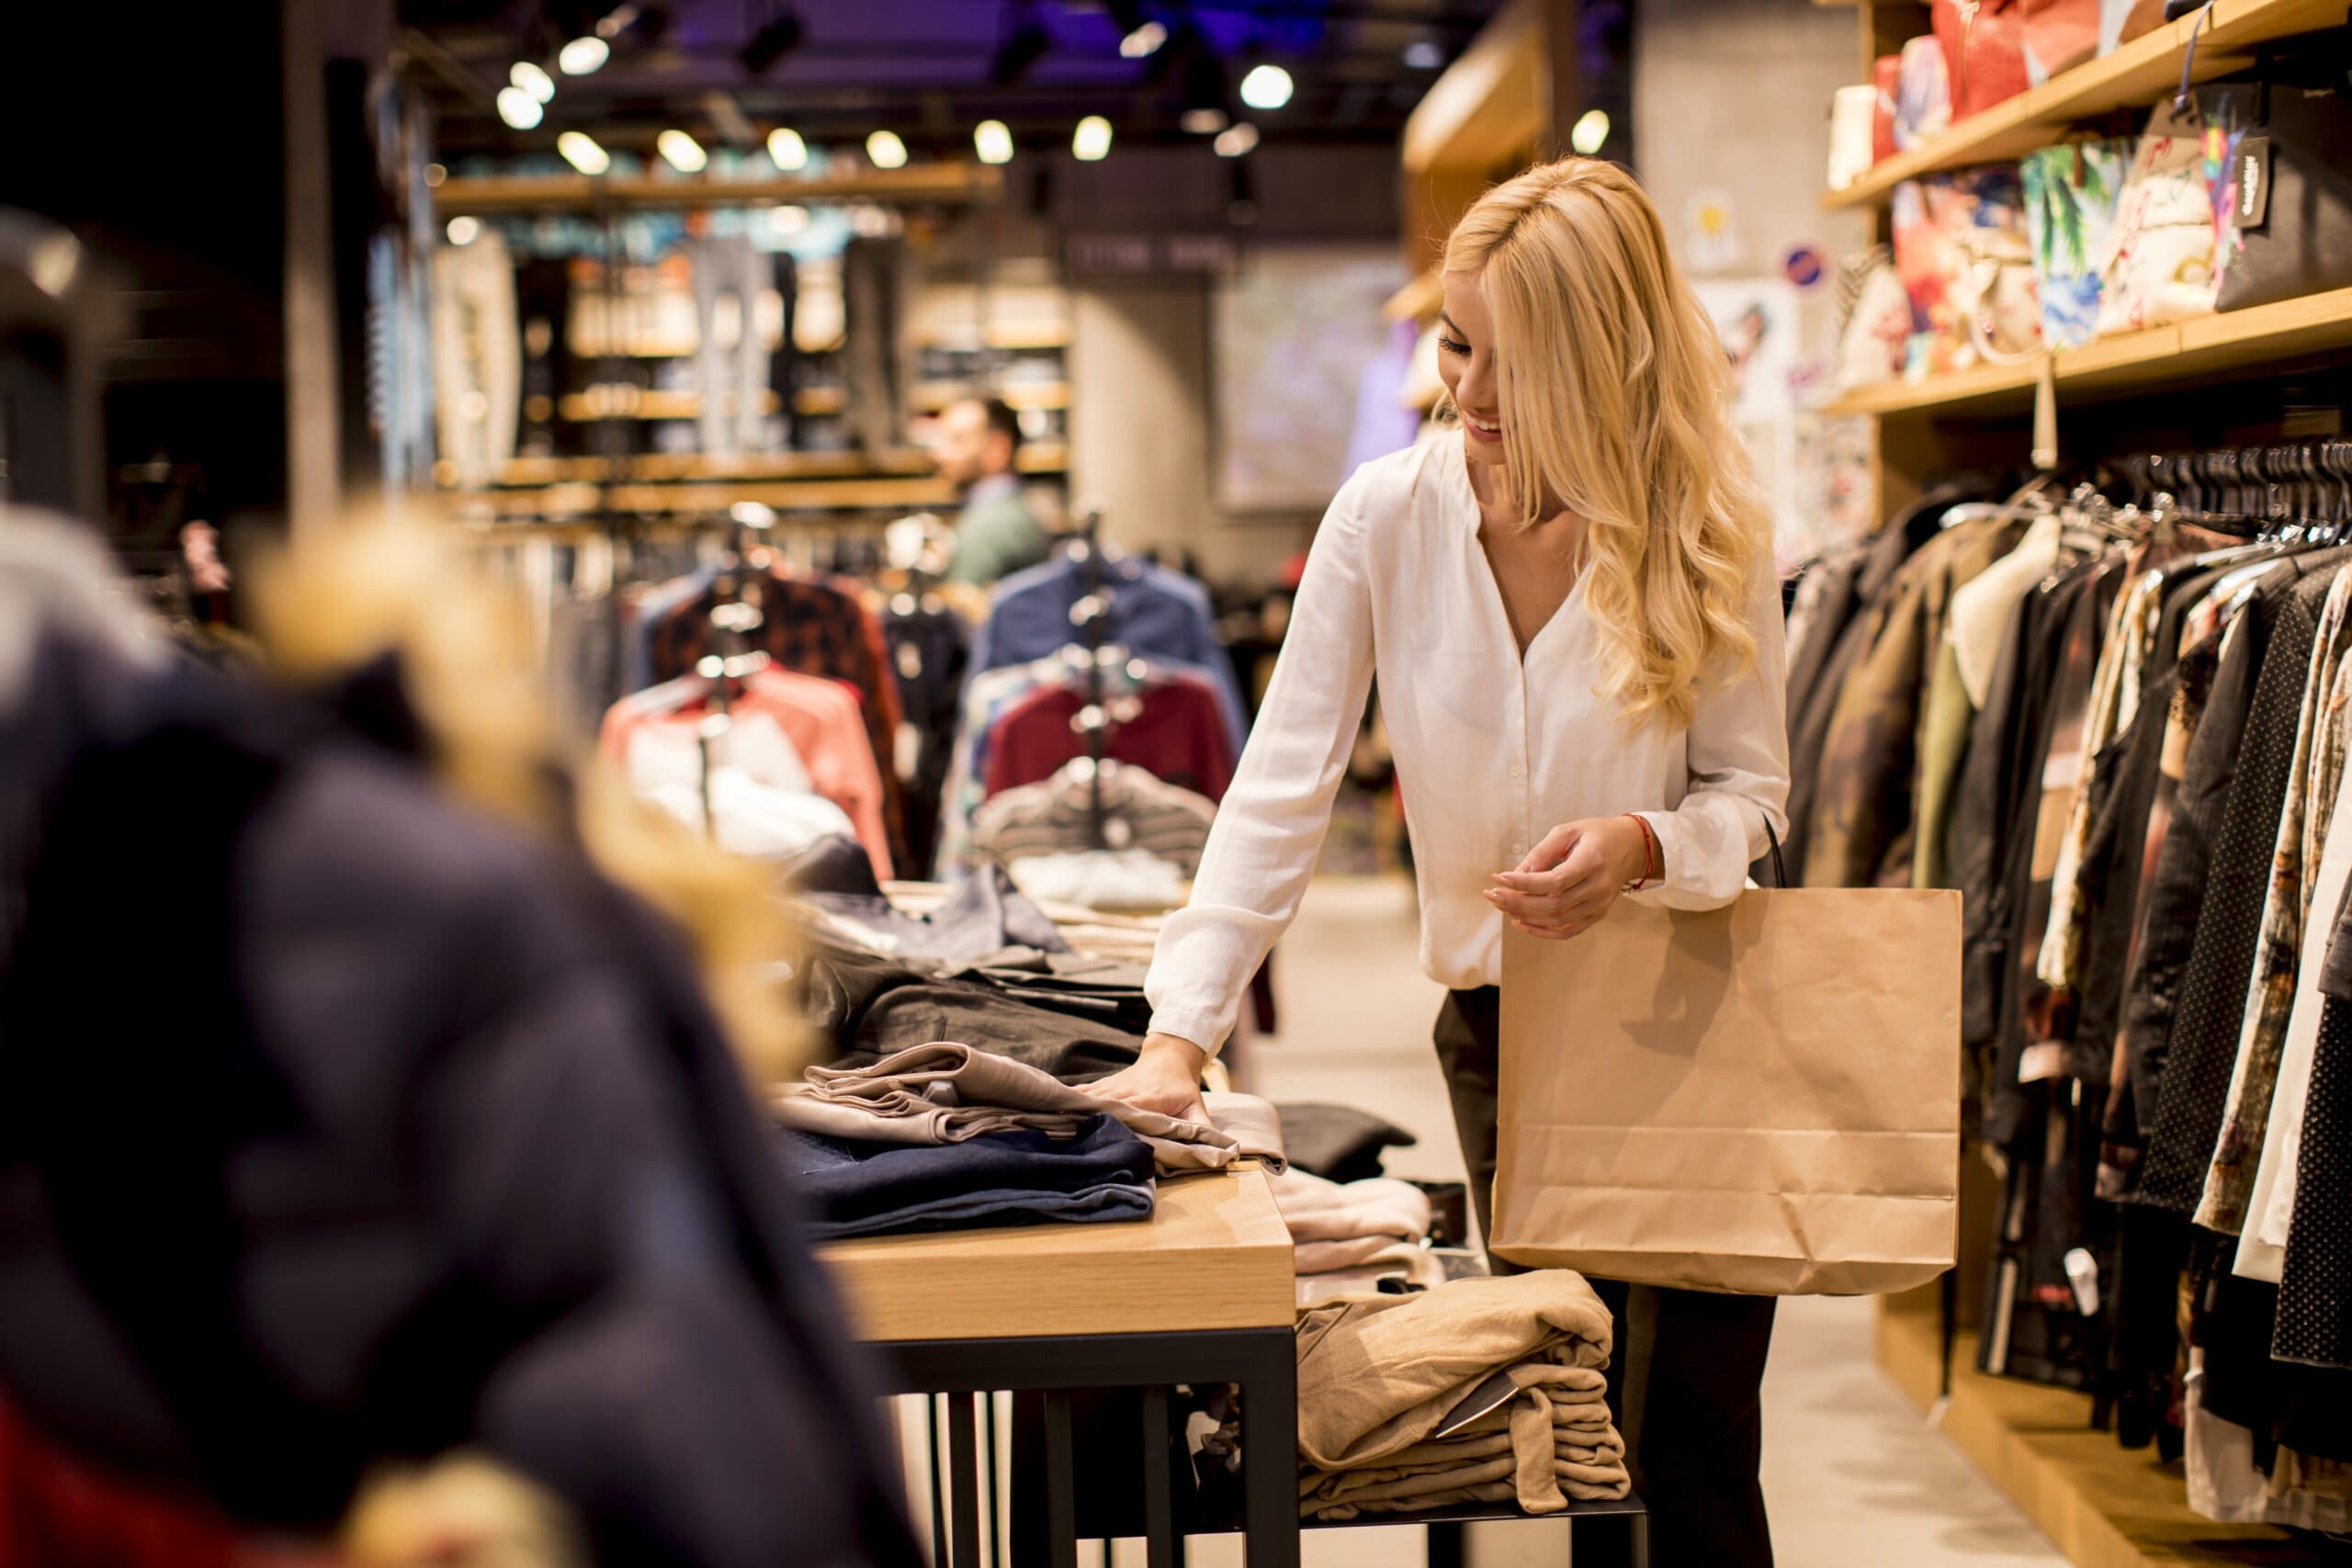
(2137,362)
(2102,1506)
(917,185)
(929,397)
(2134,77)
(629,402)
(656,468)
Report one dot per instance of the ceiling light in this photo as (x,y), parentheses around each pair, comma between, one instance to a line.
(582,56)
(579,151)
(615,22)
(1092,141)
(533,80)
(1020,48)
(789,219)
(1424,54)
(517,108)
(1204,89)
(1266,88)
(1237,139)
(1143,41)
(464,230)
(885,151)
(685,154)
(1589,132)
(779,37)
(993,140)
(435,174)
(787,150)
(1203,122)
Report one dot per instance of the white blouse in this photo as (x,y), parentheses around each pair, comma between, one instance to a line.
(1492,751)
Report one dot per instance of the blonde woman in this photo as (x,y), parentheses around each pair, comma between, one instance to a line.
(1570,609)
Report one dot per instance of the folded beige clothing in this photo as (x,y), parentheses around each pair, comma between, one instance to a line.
(1323,1257)
(945,1092)
(1319,1210)
(1377,1374)
(1583,1458)
(1253,1124)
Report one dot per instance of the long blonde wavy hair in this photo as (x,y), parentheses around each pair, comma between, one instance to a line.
(1615,396)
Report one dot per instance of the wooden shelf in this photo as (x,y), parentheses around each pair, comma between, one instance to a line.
(932,395)
(576,480)
(700,499)
(1011,336)
(2138,76)
(915,186)
(583,408)
(1490,106)
(819,402)
(2161,358)
(2101,1506)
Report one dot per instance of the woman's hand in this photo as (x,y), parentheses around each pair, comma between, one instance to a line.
(1571,881)
(1166,1078)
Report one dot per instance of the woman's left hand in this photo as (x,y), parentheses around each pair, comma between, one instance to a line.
(1569,882)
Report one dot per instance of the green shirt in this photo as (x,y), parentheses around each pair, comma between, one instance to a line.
(996,535)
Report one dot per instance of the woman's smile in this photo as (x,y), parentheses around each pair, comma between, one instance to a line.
(1489,433)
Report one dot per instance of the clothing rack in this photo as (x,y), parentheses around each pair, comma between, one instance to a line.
(733,618)
(1090,616)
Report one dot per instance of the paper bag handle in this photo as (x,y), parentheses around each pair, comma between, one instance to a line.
(1779,867)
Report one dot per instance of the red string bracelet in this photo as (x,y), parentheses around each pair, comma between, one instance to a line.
(1650,855)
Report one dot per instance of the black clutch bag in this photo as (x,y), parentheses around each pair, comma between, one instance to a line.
(2291,181)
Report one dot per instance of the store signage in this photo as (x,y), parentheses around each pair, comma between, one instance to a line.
(1100,253)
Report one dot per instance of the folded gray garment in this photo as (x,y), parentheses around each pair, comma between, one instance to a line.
(945,1092)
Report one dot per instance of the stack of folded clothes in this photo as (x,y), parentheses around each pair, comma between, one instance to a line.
(943,1093)
(943,1136)
(1479,1391)
(1098,1173)
(1376,1223)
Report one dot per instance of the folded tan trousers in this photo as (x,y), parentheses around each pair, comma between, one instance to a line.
(1378,1375)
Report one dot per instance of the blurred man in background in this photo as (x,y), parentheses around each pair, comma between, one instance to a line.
(996,535)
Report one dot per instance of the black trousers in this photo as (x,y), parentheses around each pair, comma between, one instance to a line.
(1685,1380)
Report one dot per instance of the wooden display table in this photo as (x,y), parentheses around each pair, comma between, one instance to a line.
(1199,1293)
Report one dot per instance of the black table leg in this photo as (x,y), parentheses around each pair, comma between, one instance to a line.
(938,1481)
(1445,1548)
(1640,1526)
(964,1460)
(1270,1449)
(1061,1486)
(1159,1503)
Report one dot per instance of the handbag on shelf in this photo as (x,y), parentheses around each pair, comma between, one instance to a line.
(1851,112)
(2071,194)
(1922,93)
(1961,248)
(1984,46)
(2157,265)
(2059,35)
(1762,1099)
(1886,80)
(2286,188)
(1873,319)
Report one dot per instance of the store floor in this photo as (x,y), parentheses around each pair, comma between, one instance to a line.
(1850,1473)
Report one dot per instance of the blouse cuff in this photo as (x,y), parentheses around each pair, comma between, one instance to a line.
(1195,1026)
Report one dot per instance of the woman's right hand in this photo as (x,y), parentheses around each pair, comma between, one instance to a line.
(1166,1078)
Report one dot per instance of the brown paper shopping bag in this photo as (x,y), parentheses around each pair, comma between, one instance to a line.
(1762,1099)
